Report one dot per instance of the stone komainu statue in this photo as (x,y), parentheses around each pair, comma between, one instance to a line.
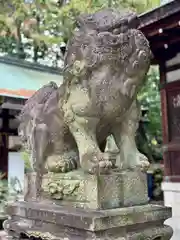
(105,66)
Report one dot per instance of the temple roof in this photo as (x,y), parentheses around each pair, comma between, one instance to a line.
(20,79)
(162,28)
(160,13)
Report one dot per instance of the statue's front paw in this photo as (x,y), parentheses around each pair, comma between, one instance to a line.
(103,167)
(96,163)
(61,163)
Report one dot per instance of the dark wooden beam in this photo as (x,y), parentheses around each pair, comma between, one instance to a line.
(170,36)
(167,35)
(172,85)
(151,27)
(165,29)
(9,132)
(162,54)
(16,149)
(159,43)
(10,116)
(4,142)
(173,68)
(159,14)
(165,119)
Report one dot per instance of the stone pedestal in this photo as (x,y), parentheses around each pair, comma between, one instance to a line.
(60,223)
(87,191)
(78,206)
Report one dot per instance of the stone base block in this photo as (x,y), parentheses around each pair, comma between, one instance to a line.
(78,189)
(41,221)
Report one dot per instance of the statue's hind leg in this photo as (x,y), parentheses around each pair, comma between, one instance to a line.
(39,142)
(92,160)
(124,134)
(64,157)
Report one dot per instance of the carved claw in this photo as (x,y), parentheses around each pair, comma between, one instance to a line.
(103,167)
(61,163)
(96,163)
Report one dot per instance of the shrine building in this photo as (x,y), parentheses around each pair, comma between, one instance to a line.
(162,28)
(19,80)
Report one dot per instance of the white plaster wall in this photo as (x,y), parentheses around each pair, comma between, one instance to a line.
(172,199)
(171,193)
(16,168)
(173,75)
(173,61)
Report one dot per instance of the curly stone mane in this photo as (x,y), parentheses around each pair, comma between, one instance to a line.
(106,36)
(38,106)
(39,97)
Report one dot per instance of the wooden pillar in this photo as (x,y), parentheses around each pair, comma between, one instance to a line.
(170,104)
(164,111)
(4,142)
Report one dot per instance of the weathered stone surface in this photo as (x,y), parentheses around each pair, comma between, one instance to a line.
(134,188)
(58,223)
(78,189)
(30,186)
(65,127)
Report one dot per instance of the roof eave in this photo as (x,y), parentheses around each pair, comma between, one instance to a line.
(29,65)
(159,13)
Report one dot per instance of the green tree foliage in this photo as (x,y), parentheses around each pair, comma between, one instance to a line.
(39,25)
(149,98)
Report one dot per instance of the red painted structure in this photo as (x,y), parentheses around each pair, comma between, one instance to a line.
(162,28)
